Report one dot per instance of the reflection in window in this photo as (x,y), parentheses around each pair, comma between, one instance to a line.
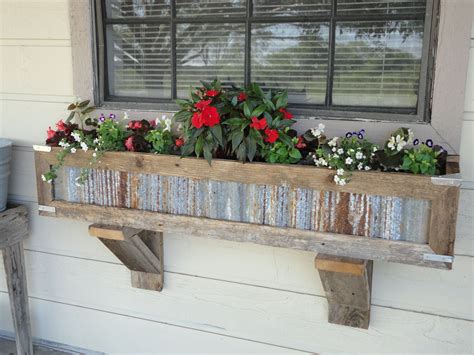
(378,63)
(293,56)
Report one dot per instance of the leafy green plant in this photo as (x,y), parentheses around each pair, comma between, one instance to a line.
(345,155)
(161,140)
(200,117)
(422,160)
(391,156)
(80,111)
(282,153)
(111,135)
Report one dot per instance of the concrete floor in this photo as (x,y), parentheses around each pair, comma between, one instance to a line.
(7,346)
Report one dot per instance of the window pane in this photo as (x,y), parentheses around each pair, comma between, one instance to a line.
(138,60)
(186,8)
(291,7)
(293,56)
(357,7)
(209,51)
(137,8)
(378,63)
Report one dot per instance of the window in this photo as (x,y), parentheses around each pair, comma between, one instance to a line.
(340,57)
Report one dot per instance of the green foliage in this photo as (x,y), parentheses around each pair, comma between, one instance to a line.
(160,140)
(282,153)
(111,135)
(422,160)
(80,111)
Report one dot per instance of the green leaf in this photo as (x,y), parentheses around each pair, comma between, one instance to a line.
(233,121)
(251,148)
(246,108)
(71,107)
(259,110)
(237,139)
(217,132)
(88,110)
(83,103)
(269,103)
(286,140)
(182,102)
(199,146)
(295,153)
(70,117)
(241,152)
(234,101)
(207,153)
(268,117)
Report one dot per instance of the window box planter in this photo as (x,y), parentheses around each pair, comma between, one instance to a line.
(394,217)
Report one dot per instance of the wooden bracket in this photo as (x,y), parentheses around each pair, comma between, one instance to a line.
(141,251)
(348,286)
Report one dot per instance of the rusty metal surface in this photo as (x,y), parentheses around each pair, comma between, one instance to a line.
(282,206)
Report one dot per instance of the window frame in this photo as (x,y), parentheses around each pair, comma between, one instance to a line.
(326,110)
(446,89)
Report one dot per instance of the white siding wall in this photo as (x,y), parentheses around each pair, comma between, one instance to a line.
(218,296)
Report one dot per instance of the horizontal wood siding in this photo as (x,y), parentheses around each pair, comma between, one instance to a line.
(219,296)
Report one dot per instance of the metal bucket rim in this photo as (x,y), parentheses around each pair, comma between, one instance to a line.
(4,143)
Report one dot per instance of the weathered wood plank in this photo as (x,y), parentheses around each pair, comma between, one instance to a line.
(13,225)
(348,286)
(327,243)
(14,264)
(44,190)
(140,251)
(376,183)
(112,232)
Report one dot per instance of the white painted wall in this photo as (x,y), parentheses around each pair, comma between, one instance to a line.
(219,296)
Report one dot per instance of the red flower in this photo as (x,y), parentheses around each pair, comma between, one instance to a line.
(242,96)
(50,133)
(61,126)
(258,124)
(286,115)
(197,120)
(129,144)
(272,135)
(179,142)
(210,116)
(135,125)
(201,104)
(300,144)
(212,93)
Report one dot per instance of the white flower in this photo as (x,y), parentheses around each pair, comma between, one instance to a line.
(167,122)
(43,177)
(350,151)
(95,141)
(367,167)
(333,142)
(94,155)
(410,135)
(339,180)
(318,131)
(64,144)
(349,161)
(359,156)
(334,149)
(84,146)
(360,166)
(340,151)
(125,116)
(340,171)
(76,136)
(335,156)
(73,150)
(374,149)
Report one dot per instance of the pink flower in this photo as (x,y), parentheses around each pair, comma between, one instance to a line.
(258,124)
(197,120)
(201,104)
(50,133)
(242,96)
(129,144)
(272,135)
(61,126)
(179,142)
(286,115)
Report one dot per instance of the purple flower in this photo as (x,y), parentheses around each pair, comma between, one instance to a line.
(348,134)
(101,117)
(416,141)
(112,116)
(429,143)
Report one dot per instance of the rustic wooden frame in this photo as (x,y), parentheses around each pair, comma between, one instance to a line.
(443,192)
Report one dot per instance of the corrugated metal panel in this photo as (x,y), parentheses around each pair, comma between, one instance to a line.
(282,206)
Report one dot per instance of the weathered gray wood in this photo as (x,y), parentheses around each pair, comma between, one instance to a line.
(328,243)
(13,260)
(13,225)
(141,251)
(348,284)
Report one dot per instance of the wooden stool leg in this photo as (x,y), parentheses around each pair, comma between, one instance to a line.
(13,260)
(348,285)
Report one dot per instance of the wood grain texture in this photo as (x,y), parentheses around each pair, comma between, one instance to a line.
(374,183)
(348,286)
(327,243)
(140,251)
(14,264)
(112,232)
(13,225)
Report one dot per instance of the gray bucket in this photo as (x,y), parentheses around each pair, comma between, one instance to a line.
(5,157)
